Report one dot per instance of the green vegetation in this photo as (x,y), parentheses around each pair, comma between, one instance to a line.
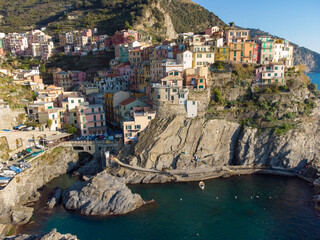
(16,95)
(70,128)
(281,130)
(49,123)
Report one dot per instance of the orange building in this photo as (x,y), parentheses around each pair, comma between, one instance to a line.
(195,82)
(244,52)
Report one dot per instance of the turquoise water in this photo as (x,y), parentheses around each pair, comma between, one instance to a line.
(284,210)
(315,78)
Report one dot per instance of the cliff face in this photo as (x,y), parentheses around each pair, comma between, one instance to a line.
(24,186)
(175,141)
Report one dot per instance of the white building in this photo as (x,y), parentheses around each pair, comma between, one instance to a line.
(185,58)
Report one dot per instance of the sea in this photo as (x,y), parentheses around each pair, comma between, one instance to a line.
(245,207)
(315,78)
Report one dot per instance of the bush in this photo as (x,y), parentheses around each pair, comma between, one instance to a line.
(217,96)
(70,128)
(267,90)
(283,129)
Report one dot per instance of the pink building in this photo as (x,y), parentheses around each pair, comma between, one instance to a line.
(123,69)
(124,36)
(162,52)
(91,119)
(210,31)
(271,74)
(87,33)
(78,77)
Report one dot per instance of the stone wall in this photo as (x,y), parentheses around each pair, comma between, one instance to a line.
(203,99)
(8,117)
(218,79)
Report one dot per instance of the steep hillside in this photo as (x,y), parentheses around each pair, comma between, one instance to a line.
(158,18)
(153,16)
(301,55)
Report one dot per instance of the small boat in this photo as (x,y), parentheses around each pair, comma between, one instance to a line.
(39,146)
(4,179)
(8,173)
(16,169)
(201,185)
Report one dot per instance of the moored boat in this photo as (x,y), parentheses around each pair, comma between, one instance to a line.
(201,185)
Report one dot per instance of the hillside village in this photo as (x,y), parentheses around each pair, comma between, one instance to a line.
(144,80)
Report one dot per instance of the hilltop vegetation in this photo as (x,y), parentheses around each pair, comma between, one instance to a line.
(107,15)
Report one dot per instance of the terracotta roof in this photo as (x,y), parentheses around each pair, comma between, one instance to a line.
(113,75)
(128,101)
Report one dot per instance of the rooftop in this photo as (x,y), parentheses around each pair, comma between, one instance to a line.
(128,101)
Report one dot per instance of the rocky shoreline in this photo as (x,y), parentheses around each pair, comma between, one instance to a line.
(102,195)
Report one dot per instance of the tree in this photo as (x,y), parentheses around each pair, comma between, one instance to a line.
(231,24)
(217,96)
(70,128)
(49,123)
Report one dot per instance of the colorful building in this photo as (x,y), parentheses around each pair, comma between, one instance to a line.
(222,54)
(134,126)
(271,74)
(112,101)
(91,119)
(239,35)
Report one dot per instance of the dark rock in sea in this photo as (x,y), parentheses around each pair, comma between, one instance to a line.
(55,198)
(101,195)
(53,235)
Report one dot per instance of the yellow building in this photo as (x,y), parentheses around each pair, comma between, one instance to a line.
(202,55)
(222,54)
(112,101)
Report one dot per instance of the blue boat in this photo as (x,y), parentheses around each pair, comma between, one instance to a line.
(4,178)
(16,169)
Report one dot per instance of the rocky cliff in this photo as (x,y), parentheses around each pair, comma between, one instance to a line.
(24,187)
(175,142)
(101,195)
(53,235)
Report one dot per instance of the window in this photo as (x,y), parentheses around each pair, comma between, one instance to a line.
(172,98)
(79,101)
(94,118)
(92,109)
(52,116)
(208,55)
(84,126)
(158,96)
(95,124)
(176,73)
(101,117)
(81,110)
(234,53)
(199,55)
(72,101)
(174,90)
(241,53)
(84,132)
(99,109)
(128,127)
(193,102)
(276,74)
(201,80)
(149,117)
(235,46)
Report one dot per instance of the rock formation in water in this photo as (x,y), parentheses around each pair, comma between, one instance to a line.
(23,188)
(101,195)
(53,235)
(55,198)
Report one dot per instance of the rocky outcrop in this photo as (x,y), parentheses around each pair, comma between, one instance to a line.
(23,188)
(174,142)
(55,198)
(53,235)
(101,195)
